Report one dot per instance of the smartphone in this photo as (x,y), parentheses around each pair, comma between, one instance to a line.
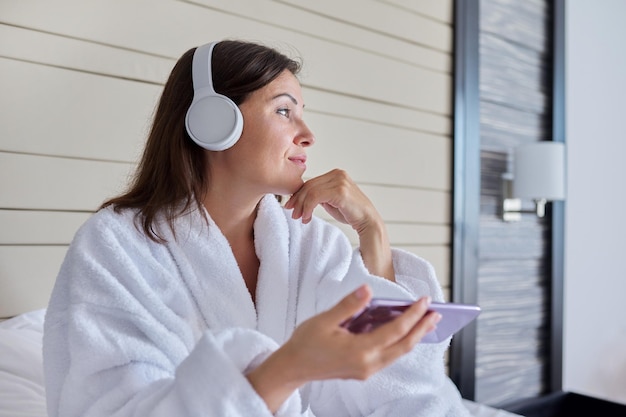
(454,317)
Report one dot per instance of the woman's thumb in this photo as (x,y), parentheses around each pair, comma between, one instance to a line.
(351,304)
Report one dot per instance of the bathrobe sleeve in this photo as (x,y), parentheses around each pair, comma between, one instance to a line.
(416,384)
(122,337)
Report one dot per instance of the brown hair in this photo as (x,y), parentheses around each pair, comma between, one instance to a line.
(171,177)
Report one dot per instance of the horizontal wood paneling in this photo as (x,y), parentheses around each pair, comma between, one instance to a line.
(336,30)
(166,24)
(438,10)
(86,56)
(87,97)
(379,154)
(27,275)
(52,111)
(376,77)
(403,234)
(399,217)
(157,27)
(91,135)
(39,227)
(379,17)
(52,183)
(372,77)
(401,205)
(81,80)
(328,102)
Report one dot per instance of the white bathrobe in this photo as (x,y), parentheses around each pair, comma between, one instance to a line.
(136,328)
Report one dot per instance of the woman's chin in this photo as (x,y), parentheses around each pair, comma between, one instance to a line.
(292,188)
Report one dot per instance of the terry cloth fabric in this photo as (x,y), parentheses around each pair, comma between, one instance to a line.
(139,328)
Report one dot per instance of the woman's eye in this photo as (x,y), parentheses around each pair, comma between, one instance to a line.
(283,112)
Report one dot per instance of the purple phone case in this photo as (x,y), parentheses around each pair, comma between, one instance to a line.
(454,317)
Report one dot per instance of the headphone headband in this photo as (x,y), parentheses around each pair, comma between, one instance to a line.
(202,71)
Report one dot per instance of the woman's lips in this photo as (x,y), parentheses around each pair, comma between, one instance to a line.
(300,160)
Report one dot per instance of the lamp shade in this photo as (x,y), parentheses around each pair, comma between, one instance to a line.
(539,171)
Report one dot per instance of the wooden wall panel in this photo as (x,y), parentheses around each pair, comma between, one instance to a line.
(52,183)
(81,80)
(26,276)
(378,17)
(438,10)
(380,154)
(338,29)
(59,112)
(405,84)
(39,227)
(70,53)
(388,114)
(402,205)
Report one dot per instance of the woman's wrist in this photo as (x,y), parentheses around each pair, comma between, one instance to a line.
(376,250)
(275,379)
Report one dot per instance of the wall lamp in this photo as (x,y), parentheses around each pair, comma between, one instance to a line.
(538,175)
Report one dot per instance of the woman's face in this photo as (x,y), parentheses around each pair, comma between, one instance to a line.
(270,156)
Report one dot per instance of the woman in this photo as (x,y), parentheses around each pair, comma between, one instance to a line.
(196,293)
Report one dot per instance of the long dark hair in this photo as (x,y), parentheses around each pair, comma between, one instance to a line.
(171,177)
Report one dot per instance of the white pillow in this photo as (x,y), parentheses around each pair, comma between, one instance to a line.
(21,366)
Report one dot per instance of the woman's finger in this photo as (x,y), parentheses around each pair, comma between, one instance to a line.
(404,345)
(413,323)
(349,306)
(336,192)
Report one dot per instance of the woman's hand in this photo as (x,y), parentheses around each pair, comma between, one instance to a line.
(340,197)
(321,349)
(346,203)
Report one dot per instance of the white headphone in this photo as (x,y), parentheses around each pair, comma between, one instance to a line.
(213,121)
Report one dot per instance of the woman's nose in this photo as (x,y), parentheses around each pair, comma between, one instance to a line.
(306,136)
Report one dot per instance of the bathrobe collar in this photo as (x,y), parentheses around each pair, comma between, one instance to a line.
(271,239)
(217,275)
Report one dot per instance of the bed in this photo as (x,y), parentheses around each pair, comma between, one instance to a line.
(22,392)
(21,375)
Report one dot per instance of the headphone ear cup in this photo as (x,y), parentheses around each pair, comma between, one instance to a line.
(214,121)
